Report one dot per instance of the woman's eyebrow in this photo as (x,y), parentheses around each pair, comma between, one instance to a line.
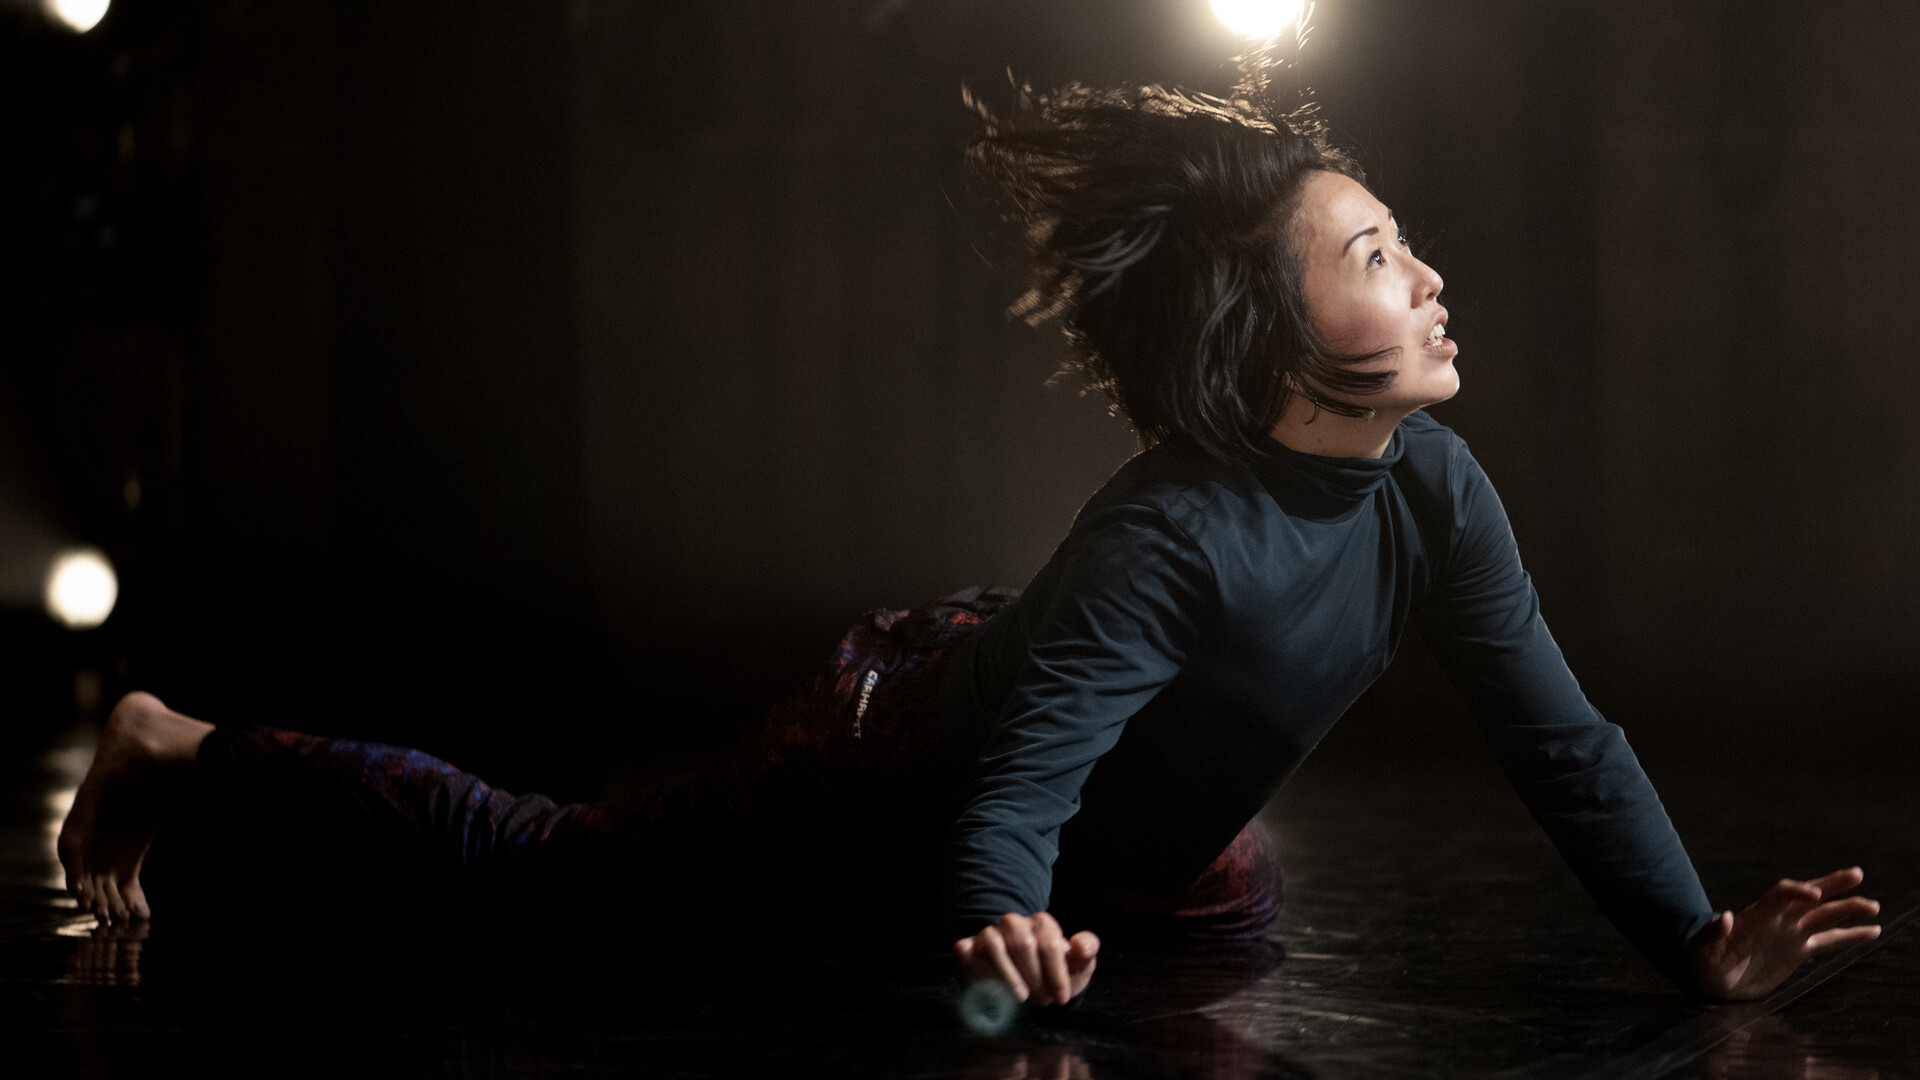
(1368,231)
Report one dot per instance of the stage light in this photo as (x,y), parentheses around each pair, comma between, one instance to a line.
(78,16)
(1258,18)
(81,588)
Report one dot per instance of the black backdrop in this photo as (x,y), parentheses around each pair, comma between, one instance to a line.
(549,384)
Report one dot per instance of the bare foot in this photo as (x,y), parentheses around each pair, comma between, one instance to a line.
(144,764)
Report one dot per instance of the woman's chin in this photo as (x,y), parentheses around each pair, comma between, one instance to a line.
(1444,385)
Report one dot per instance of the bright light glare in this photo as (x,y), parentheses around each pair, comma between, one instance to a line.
(1258,18)
(78,16)
(81,588)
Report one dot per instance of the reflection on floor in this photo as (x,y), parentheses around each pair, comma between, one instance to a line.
(1430,932)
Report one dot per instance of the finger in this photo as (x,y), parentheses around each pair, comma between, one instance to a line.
(1052,947)
(963,950)
(1840,881)
(1023,946)
(1834,912)
(996,948)
(1082,948)
(1083,952)
(1790,890)
(1786,899)
(1831,939)
(1715,931)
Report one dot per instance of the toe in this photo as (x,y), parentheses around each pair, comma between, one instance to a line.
(136,899)
(116,904)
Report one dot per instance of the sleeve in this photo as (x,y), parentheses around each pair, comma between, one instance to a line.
(1128,593)
(1572,768)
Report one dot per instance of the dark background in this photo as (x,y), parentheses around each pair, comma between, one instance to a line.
(550,384)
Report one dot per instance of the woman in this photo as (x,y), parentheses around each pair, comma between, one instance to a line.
(1226,277)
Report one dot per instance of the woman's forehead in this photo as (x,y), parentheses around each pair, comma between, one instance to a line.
(1335,207)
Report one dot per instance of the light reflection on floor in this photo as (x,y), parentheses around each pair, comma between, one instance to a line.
(1429,932)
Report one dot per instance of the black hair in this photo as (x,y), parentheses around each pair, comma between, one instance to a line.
(1159,231)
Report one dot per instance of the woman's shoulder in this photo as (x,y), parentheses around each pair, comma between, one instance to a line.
(1447,490)
(1190,489)
(1434,460)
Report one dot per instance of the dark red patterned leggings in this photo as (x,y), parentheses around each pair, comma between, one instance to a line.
(836,806)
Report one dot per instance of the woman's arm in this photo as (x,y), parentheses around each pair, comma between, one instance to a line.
(1572,768)
(1581,780)
(1118,607)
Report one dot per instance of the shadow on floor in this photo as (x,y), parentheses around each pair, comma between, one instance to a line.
(1430,932)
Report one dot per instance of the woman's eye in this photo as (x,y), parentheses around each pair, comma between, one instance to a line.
(1401,239)
(1376,258)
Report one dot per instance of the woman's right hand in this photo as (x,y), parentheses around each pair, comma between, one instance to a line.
(1032,956)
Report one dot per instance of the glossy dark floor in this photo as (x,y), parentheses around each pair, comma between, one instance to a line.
(1430,932)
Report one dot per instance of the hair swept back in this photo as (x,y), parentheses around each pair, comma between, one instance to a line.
(1158,225)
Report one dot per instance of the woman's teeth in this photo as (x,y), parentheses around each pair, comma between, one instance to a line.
(1438,334)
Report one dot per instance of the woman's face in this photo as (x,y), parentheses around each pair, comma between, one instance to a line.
(1367,292)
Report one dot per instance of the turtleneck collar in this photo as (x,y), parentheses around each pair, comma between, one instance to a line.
(1326,486)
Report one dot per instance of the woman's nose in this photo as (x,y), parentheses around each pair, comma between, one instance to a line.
(1430,284)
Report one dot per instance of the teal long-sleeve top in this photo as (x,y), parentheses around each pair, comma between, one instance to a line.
(1203,625)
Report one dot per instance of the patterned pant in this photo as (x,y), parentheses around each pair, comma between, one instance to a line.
(837,805)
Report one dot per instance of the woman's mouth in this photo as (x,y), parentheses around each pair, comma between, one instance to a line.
(1436,335)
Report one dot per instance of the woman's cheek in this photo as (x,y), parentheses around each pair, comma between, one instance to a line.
(1370,336)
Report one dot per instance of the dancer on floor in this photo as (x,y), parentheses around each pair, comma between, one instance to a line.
(1227,278)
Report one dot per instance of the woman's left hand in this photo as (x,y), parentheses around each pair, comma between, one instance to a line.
(1743,957)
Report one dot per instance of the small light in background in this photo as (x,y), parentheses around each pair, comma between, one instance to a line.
(78,16)
(81,588)
(1258,18)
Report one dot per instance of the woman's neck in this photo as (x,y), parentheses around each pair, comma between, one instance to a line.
(1316,431)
